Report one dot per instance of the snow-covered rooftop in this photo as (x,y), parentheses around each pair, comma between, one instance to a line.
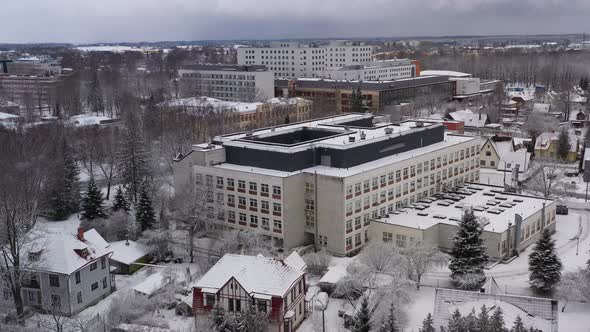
(58,251)
(495,208)
(443,73)
(8,116)
(449,140)
(87,120)
(213,103)
(545,140)
(258,275)
(127,252)
(470,118)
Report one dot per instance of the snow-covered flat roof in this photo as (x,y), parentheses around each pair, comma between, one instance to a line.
(127,252)
(258,275)
(451,73)
(449,140)
(152,283)
(494,207)
(8,116)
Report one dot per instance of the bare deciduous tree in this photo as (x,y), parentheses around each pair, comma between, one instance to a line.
(421,258)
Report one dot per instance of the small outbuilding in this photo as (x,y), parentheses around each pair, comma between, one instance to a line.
(126,254)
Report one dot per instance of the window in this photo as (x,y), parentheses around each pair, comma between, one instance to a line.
(77,275)
(230,304)
(231,200)
(405,172)
(309,204)
(253,187)
(238,305)
(310,189)
(94,286)
(253,221)
(366,185)
(93,266)
(242,217)
(261,306)
(242,201)
(276,209)
(55,301)
(348,242)
(382,180)
(278,225)
(253,204)
(54,280)
(104,282)
(210,300)
(357,239)
(387,237)
(400,240)
(265,223)
(492,163)
(482,162)
(357,188)
(488,153)
(79,297)
(398,175)
(219,180)
(276,191)
(264,189)
(242,185)
(103,262)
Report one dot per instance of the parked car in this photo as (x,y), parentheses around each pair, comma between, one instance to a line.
(561,209)
(572,174)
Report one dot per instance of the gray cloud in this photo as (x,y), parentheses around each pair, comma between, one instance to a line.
(82,21)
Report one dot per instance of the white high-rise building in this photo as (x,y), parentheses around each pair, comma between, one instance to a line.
(293,59)
(382,70)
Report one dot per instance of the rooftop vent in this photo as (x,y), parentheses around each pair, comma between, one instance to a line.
(351,139)
(388,131)
(419,124)
(363,135)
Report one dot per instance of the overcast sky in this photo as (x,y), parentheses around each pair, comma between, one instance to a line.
(90,21)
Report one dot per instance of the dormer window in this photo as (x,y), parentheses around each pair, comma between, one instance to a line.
(82,252)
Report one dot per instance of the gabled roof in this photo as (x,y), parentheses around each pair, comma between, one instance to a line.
(257,274)
(545,140)
(59,250)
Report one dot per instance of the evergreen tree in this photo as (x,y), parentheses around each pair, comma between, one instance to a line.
(133,160)
(427,324)
(483,321)
(217,318)
(544,265)
(456,322)
(62,189)
(144,211)
(96,96)
(356,101)
(468,254)
(92,202)
(362,319)
(389,324)
(563,144)
(470,322)
(518,325)
(119,202)
(497,321)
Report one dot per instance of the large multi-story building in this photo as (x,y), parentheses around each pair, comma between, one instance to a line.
(322,182)
(34,66)
(293,59)
(243,115)
(378,96)
(227,82)
(65,273)
(381,70)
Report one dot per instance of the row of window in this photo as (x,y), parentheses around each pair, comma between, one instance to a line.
(357,240)
(54,278)
(254,221)
(93,287)
(230,185)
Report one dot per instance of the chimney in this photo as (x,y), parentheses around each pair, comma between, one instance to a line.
(80,233)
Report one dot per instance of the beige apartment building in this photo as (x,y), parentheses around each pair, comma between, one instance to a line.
(322,182)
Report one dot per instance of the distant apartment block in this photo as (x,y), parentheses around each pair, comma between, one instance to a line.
(381,70)
(293,59)
(245,83)
(324,181)
(65,274)
(243,115)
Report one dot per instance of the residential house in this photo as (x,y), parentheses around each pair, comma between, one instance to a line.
(578,118)
(66,273)
(277,287)
(547,144)
(501,153)
(126,254)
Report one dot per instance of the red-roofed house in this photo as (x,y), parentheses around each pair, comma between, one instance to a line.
(275,286)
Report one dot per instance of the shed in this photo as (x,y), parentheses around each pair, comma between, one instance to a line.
(126,253)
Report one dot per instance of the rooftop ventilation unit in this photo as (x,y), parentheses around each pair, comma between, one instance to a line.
(388,131)
(419,124)
(351,139)
(363,135)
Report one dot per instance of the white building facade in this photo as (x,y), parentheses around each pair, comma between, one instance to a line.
(227,82)
(326,191)
(293,59)
(382,70)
